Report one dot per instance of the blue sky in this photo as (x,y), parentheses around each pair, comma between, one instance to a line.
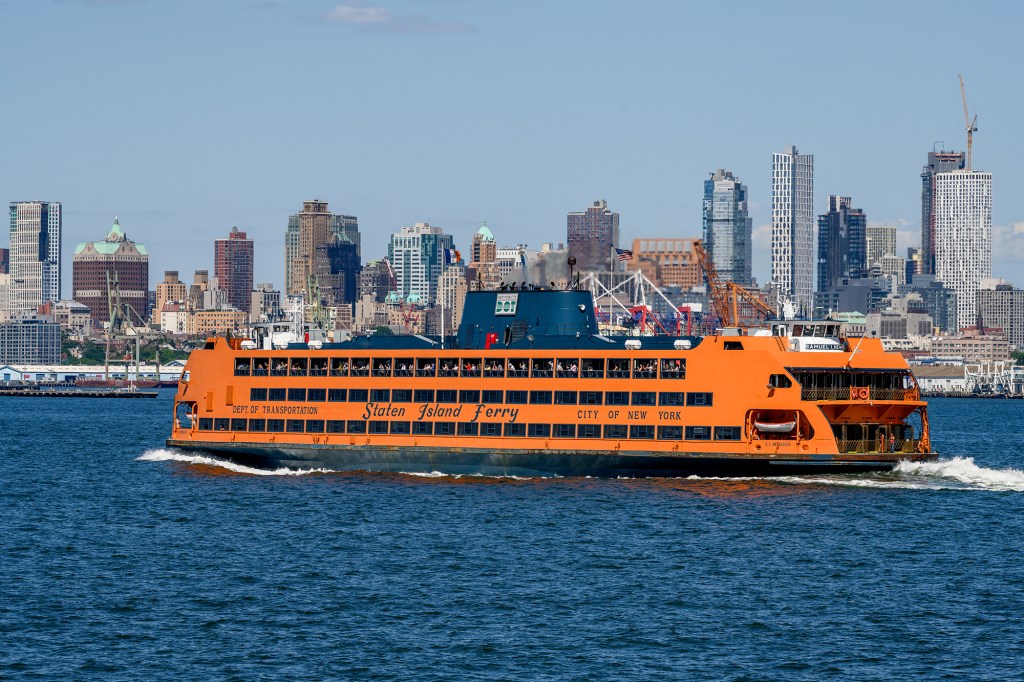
(185,117)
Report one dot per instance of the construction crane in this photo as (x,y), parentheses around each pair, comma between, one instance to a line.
(970,124)
(725,296)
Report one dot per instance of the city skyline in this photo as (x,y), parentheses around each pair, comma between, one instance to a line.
(129,150)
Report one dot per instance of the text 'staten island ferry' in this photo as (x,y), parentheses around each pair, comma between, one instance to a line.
(529,387)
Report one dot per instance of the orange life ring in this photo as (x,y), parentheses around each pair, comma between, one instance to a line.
(863,394)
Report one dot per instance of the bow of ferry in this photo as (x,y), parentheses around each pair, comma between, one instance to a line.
(527,386)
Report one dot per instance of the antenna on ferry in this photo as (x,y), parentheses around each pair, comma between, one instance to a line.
(856,350)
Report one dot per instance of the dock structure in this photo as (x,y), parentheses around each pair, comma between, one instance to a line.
(74,393)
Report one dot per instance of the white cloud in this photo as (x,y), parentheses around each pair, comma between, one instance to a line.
(347,14)
(1008,242)
(383,20)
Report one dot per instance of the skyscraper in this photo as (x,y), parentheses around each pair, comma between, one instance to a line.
(881,242)
(793,226)
(417,254)
(938,162)
(122,260)
(842,243)
(962,215)
(232,266)
(727,227)
(35,262)
(592,234)
(314,226)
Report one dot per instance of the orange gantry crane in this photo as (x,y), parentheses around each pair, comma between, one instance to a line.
(725,295)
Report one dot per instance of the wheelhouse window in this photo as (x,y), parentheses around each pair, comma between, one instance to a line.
(318,367)
(644,369)
(592,368)
(298,367)
(404,367)
(618,369)
(243,367)
(567,368)
(543,368)
(339,367)
(470,367)
(426,367)
(260,367)
(518,368)
(673,368)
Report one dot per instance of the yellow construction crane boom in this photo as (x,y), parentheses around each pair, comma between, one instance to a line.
(971,127)
(725,295)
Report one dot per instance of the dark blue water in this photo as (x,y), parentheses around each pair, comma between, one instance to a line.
(112,567)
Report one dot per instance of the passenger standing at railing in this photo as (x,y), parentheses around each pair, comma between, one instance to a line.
(892,442)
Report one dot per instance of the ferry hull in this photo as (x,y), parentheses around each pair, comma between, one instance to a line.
(540,463)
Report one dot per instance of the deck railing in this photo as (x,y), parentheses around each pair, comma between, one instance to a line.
(847,393)
(873,445)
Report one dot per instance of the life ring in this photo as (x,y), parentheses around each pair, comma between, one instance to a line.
(862,394)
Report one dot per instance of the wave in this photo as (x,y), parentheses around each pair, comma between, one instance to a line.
(163,455)
(963,471)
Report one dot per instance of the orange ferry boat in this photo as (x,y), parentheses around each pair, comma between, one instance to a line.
(528,386)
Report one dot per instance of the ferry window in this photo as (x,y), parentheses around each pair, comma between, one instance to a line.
(543,368)
(299,367)
(515,397)
(360,367)
(339,367)
(540,430)
(540,397)
(490,429)
(447,395)
(279,367)
(220,424)
(468,428)
(641,432)
(727,432)
(616,398)
(401,395)
(494,368)
(337,395)
(316,395)
(565,430)
(335,426)
(565,397)
(733,345)
(257,425)
(699,399)
(403,367)
(590,398)
(380,395)
(424,395)
(644,369)
(470,367)
(277,394)
(798,330)
(378,427)
(275,425)
(492,397)
(296,395)
(426,367)
(382,368)
(318,367)
(779,381)
(448,368)
(618,369)
(423,428)
(515,430)
(239,425)
(469,396)
(592,369)
(314,426)
(614,431)
(670,433)
(242,366)
(257,394)
(645,398)
(444,429)
(355,426)
(589,431)
(517,367)
(673,369)
(567,368)
(296,426)
(698,433)
(357,395)
(260,367)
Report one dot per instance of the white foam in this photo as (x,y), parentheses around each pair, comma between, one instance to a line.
(162,455)
(963,470)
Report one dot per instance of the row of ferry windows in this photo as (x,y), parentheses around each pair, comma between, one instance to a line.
(489,397)
(567,368)
(423,428)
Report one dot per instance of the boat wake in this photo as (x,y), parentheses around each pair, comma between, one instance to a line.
(956,473)
(163,455)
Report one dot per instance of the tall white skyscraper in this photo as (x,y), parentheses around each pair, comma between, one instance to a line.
(793,244)
(417,254)
(963,236)
(35,255)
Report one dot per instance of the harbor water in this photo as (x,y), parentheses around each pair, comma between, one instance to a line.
(124,560)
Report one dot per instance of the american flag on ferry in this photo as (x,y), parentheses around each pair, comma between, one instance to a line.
(624,254)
